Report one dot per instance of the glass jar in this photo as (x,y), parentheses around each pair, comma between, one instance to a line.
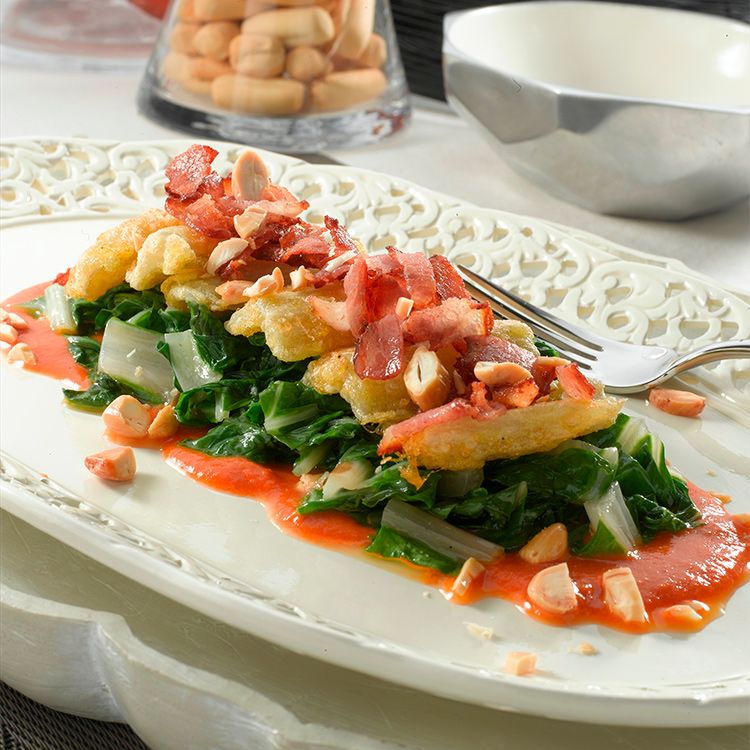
(291,75)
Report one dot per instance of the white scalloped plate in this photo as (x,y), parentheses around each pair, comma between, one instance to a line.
(221,556)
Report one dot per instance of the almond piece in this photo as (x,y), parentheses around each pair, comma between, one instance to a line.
(549,545)
(22,353)
(127,417)
(622,595)
(500,373)
(164,424)
(470,570)
(679,403)
(520,663)
(331,312)
(115,464)
(552,590)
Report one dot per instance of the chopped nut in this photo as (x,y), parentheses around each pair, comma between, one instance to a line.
(12,319)
(552,361)
(301,278)
(520,663)
(681,614)
(470,570)
(549,545)
(459,384)
(679,403)
(552,590)
(622,595)
(127,417)
(249,221)
(164,424)
(224,252)
(500,373)
(115,464)
(233,292)
(22,353)
(426,379)
(404,306)
(339,260)
(8,333)
(249,176)
(711,472)
(268,284)
(331,312)
(585,649)
(480,631)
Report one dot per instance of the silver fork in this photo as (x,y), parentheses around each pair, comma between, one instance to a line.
(622,368)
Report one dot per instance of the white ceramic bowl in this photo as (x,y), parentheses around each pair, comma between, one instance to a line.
(622,109)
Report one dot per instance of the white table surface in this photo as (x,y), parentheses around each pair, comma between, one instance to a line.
(438,151)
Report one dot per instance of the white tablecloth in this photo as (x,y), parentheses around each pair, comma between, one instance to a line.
(438,151)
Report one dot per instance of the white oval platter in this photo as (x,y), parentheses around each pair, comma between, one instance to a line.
(221,556)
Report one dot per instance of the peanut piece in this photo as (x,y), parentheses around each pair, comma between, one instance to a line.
(301,278)
(181,37)
(306,63)
(212,39)
(249,221)
(257,55)
(346,88)
(275,96)
(296,26)
(227,10)
(375,53)
(206,68)
(548,545)
(357,28)
(13,319)
(426,380)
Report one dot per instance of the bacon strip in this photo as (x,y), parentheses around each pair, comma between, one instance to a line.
(342,240)
(451,321)
(574,382)
(355,289)
(396,435)
(380,350)
(447,281)
(419,277)
(187,171)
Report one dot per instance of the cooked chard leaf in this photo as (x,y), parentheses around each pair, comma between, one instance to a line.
(390,543)
(121,302)
(374,493)
(243,436)
(573,475)
(652,518)
(102,391)
(602,542)
(84,350)
(214,402)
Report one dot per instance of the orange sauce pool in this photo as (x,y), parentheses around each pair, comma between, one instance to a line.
(50,349)
(704,565)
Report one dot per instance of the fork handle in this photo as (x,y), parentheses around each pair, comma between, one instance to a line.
(711,353)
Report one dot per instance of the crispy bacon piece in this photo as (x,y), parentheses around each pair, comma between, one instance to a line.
(355,289)
(380,350)
(453,320)
(187,171)
(574,382)
(419,277)
(518,395)
(447,281)
(491,349)
(205,217)
(342,240)
(395,436)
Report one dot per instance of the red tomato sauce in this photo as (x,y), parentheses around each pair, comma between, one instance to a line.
(703,566)
(50,348)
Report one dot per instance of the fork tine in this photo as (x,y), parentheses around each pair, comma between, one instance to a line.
(529,313)
(564,346)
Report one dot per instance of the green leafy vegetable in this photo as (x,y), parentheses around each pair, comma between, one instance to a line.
(602,543)
(389,543)
(214,402)
(84,350)
(102,391)
(125,303)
